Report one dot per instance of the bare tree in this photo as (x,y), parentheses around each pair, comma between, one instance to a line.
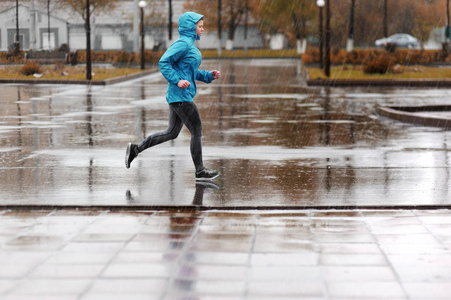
(79,6)
(231,13)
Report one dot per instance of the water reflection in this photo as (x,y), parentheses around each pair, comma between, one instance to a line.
(276,141)
(198,199)
(201,187)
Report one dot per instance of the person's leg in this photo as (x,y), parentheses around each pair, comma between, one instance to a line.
(173,130)
(174,127)
(189,114)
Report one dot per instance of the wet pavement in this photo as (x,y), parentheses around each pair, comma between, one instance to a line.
(276,141)
(271,227)
(94,254)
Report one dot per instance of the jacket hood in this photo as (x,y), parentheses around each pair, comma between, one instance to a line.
(187,24)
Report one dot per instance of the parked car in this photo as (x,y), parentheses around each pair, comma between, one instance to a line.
(400,40)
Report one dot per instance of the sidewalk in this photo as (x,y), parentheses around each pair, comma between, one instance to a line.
(312,254)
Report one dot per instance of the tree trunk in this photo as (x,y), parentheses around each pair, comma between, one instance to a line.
(300,46)
(350,45)
(229,44)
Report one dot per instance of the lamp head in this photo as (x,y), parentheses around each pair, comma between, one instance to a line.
(142,3)
(320,3)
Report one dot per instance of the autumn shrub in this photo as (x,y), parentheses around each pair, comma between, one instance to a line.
(59,66)
(379,65)
(9,57)
(364,56)
(30,67)
(310,56)
(407,57)
(123,57)
(339,56)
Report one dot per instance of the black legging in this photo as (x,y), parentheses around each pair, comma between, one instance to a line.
(180,113)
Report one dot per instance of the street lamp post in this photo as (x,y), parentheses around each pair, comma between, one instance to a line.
(142,4)
(320,4)
(170,21)
(327,58)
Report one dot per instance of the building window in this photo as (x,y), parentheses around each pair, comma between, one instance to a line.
(24,38)
(44,38)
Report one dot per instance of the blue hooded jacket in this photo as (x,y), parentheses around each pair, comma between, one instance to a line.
(182,60)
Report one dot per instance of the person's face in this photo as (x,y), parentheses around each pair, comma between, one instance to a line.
(200,27)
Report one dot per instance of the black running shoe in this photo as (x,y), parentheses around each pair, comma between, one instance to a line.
(131,154)
(206,174)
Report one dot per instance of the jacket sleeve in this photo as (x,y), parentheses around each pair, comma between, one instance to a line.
(169,58)
(205,76)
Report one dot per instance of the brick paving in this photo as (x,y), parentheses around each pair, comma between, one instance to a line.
(189,254)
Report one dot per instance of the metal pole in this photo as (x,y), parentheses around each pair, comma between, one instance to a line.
(88,43)
(142,39)
(327,59)
(48,21)
(321,39)
(17,42)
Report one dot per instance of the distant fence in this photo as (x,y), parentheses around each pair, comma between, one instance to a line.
(47,57)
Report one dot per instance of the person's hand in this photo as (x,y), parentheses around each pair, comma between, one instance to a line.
(216,74)
(183,84)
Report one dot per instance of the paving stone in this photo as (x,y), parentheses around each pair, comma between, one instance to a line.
(277,289)
(428,290)
(221,261)
(352,260)
(365,290)
(45,287)
(139,270)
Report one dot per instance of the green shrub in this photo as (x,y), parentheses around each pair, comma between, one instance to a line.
(30,68)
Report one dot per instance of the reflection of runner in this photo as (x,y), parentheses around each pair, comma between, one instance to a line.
(201,186)
(198,199)
(179,65)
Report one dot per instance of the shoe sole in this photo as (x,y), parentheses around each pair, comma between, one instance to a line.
(127,155)
(207,179)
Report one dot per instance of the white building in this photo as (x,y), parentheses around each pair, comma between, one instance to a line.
(109,31)
(33,31)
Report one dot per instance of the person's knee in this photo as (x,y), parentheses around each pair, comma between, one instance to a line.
(197,132)
(174,135)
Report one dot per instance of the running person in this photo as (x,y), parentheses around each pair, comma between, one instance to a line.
(179,65)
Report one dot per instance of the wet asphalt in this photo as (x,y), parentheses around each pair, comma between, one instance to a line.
(277,143)
(319,198)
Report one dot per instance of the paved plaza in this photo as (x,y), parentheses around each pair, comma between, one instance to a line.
(330,254)
(320,197)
